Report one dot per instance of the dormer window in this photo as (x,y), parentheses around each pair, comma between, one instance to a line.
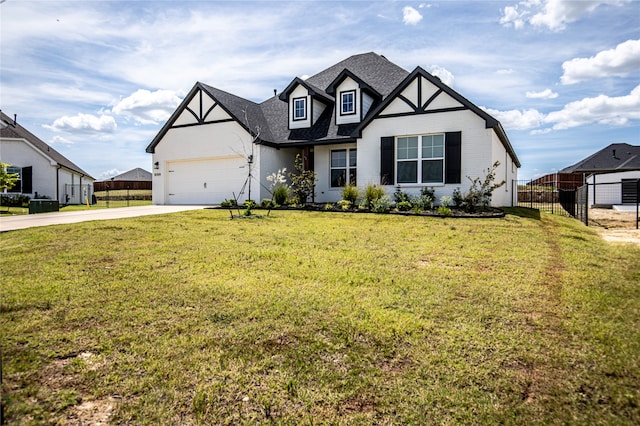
(348,102)
(300,109)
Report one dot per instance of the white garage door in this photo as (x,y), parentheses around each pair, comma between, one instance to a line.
(205,181)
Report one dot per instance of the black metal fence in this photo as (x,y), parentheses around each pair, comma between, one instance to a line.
(547,197)
(609,204)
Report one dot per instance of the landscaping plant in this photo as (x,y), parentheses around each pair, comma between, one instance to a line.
(350,193)
(303,182)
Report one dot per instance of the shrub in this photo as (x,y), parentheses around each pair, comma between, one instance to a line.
(404,206)
(345,204)
(478,197)
(428,191)
(248,205)
(401,196)
(350,193)
(280,194)
(372,193)
(228,203)
(381,205)
(266,203)
(303,183)
(445,201)
(422,202)
(14,200)
(444,211)
(328,206)
(457,198)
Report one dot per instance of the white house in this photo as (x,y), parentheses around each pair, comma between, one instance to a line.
(42,170)
(361,121)
(611,173)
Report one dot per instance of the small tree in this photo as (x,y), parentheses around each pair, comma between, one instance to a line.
(7,180)
(303,183)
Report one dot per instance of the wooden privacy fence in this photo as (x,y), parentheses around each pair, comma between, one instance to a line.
(121,184)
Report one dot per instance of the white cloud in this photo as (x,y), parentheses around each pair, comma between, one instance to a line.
(410,16)
(109,173)
(504,71)
(443,74)
(148,107)
(516,119)
(553,14)
(83,123)
(545,94)
(619,61)
(513,17)
(59,140)
(615,111)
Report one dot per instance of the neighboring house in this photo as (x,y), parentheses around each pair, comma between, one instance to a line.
(612,173)
(43,171)
(361,121)
(133,179)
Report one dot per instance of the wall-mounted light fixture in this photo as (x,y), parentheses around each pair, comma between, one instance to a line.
(156,165)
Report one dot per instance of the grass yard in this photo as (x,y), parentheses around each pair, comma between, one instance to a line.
(320,318)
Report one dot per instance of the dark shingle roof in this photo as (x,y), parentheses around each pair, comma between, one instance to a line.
(136,174)
(375,73)
(617,157)
(376,70)
(11,130)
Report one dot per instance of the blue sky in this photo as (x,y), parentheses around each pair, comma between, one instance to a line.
(98,79)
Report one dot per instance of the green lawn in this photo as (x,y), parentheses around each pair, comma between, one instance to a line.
(320,318)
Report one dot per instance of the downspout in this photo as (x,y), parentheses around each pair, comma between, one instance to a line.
(58,183)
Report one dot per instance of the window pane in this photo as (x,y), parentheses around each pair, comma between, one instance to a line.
(299,108)
(338,177)
(432,171)
(352,158)
(339,158)
(407,148)
(407,171)
(352,177)
(17,187)
(433,146)
(347,102)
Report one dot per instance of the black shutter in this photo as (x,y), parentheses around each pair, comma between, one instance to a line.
(386,160)
(27,187)
(453,157)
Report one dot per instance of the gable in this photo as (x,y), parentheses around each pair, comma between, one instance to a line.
(422,93)
(207,105)
(420,96)
(201,109)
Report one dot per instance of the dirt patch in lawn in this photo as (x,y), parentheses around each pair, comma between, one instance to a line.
(615,226)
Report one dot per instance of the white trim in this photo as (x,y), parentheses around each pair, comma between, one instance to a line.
(353,102)
(419,160)
(304,108)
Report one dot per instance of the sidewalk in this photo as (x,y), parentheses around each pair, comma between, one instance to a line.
(13,223)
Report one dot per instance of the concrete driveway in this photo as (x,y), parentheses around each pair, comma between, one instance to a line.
(12,223)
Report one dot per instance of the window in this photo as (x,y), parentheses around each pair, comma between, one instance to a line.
(300,109)
(348,102)
(343,167)
(17,187)
(420,159)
